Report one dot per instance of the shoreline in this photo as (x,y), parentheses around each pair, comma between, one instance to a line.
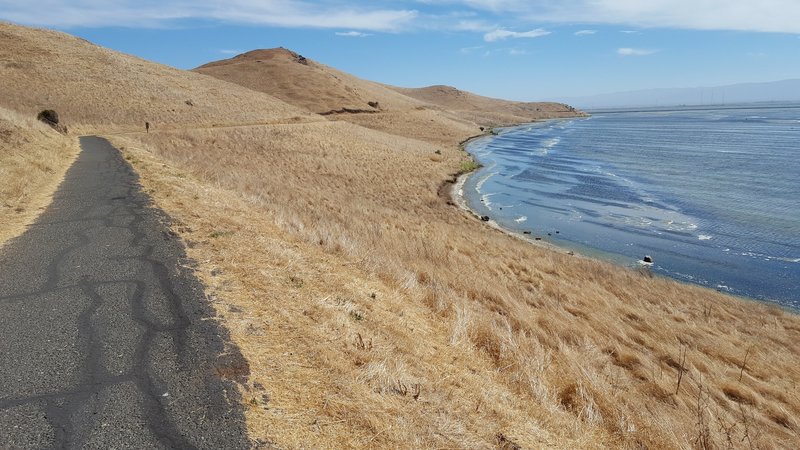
(458,198)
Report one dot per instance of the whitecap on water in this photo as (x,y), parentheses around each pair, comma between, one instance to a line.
(479,184)
(704,237)
(520,219)
(550,143)
(486,202)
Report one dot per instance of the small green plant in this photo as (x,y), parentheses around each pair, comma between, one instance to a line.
(220,233)
(358,316)
(469,166)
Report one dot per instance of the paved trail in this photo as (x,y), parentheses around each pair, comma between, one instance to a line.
(103,342)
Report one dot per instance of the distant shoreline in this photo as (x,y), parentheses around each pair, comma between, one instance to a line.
(677,108)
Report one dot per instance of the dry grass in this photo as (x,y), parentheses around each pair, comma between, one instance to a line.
(437,114)
(33,160)
(318,88)
(375,314)
(536,346)
(306,83)
(95,88)
(340,356)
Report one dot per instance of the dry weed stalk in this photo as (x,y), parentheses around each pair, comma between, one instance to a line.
(681,367)
(744,362)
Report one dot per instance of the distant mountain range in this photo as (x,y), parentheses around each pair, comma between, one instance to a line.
(777,91)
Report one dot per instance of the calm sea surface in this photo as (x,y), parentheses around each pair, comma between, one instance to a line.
(712,195)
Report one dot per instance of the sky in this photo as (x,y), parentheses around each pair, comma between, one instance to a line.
(514,49)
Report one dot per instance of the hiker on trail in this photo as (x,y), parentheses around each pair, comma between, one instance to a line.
(147,126)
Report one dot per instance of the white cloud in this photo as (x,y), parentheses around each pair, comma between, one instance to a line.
(628,31)
(585,32)
(356,34)
(501,34)
(741,15)
(634,52)
(346,14)
(401,15)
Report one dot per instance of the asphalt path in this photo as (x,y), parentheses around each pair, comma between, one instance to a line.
(105,337)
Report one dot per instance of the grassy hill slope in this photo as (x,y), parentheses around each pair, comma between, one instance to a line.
(322,89)
(95,88)
(485,110)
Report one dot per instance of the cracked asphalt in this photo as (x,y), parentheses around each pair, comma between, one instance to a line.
(105,340)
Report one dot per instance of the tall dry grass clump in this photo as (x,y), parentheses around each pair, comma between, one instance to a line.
(33,160)
(397,319)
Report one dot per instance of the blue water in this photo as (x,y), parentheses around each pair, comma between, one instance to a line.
(712,195)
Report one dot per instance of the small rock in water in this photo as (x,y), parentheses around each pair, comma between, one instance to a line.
(526,232)
(485,218)
(549,234)
(538,239)
(557,232)
(648,259)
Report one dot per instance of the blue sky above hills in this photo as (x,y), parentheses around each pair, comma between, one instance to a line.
(516,49)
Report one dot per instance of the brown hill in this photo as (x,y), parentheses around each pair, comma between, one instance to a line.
(486,110)
(306,83)
(324,90)
(431,114)
(92,87)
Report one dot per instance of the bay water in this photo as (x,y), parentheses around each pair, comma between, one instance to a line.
(712,195)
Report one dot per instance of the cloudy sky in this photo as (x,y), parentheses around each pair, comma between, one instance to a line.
(519,49)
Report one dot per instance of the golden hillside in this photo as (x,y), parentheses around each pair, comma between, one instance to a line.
(375,314)
(340,96)
(303,82)
(92,87)
(485,110)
